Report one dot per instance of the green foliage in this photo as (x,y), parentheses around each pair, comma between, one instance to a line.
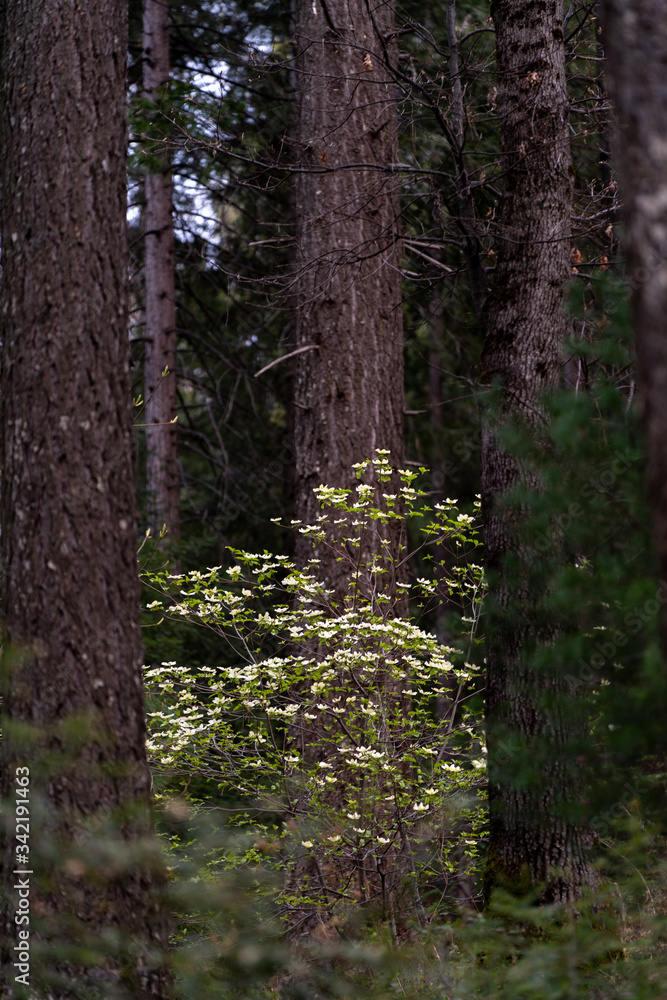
(275,643)
(285,636)
(341,724)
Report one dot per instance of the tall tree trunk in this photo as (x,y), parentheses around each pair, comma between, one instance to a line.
(162,468)
(635,38)
(348,386)
(349,381)
(73,715)
(535,840)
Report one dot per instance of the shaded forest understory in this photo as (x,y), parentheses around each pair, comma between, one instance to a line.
(379,709)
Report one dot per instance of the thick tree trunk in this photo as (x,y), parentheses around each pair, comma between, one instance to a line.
(635,35)
(535,840)
(349,383)
(162,468)
(73,697)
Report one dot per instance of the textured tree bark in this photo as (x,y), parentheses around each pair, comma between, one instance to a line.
(535,839)
(635,37)
(349,386)
(73,695)
(162,468)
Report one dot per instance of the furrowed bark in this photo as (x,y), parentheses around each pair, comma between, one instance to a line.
(73,710)
(349,386)
(535,838)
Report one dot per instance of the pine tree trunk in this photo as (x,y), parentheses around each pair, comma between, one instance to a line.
(348,385)
(162,468)
(535,838)
(636,47)
(349,382)
(73,695)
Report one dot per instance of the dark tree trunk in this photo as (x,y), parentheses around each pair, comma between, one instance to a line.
(349,383)
(73,695)
(348,386)
(535,840)
(636,47)
(162,468)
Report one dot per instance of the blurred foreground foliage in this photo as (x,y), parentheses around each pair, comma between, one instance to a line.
(229,944)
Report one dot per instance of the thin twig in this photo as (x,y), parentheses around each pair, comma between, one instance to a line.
(299,350)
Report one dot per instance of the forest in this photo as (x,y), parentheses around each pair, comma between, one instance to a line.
(333,502)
